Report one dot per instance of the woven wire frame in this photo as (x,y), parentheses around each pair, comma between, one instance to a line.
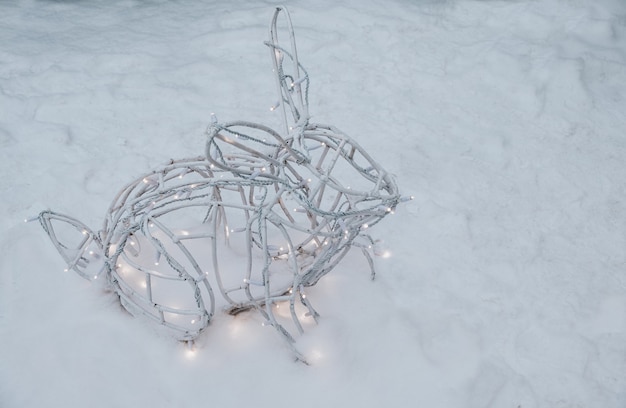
(263,215)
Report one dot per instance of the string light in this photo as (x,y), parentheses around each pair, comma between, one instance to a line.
(248,176)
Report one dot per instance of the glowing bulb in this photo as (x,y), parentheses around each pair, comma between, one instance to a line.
(190,353)
(365,226)
(275,106)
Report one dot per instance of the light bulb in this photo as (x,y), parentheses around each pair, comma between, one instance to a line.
(275,106)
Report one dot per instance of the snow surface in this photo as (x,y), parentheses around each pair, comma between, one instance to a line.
(505,119)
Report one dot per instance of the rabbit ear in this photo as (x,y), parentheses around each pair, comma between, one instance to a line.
(79,246)
(292,80)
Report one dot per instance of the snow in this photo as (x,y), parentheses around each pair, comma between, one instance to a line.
(506,284)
